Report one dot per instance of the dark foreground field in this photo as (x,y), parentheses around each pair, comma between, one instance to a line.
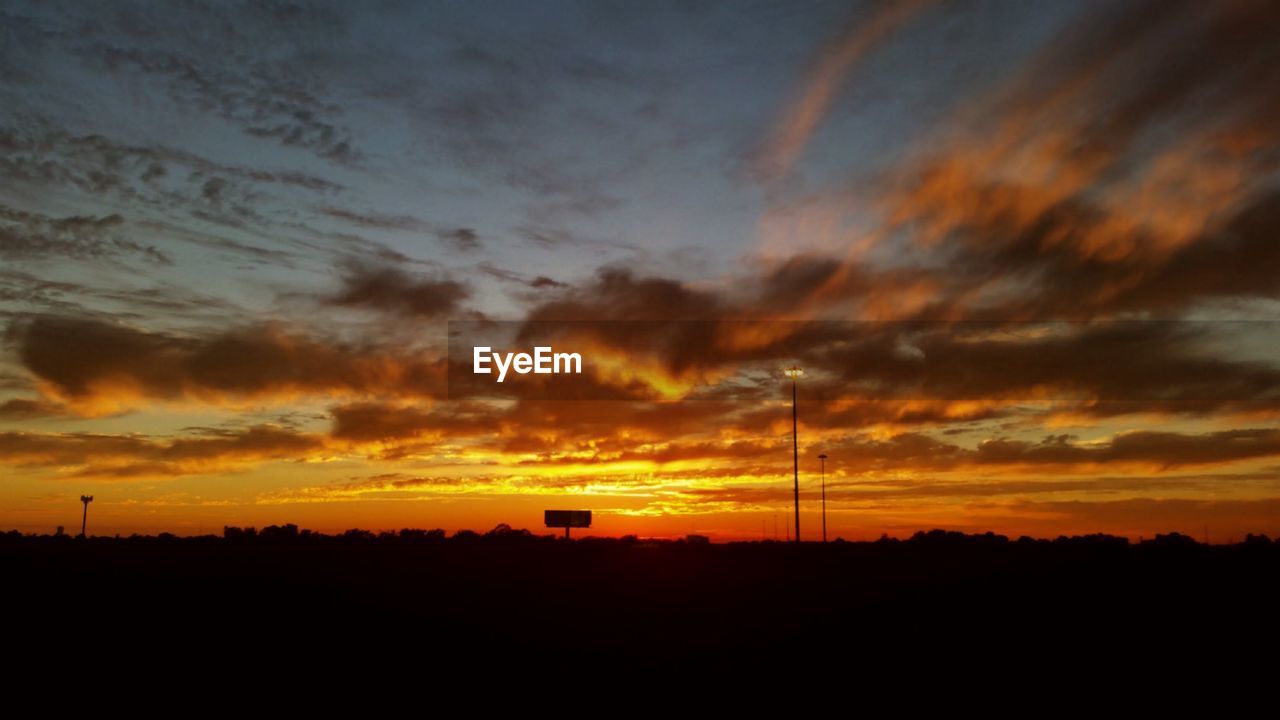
(508,598)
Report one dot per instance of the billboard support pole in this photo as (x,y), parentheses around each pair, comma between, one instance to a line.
(566,519)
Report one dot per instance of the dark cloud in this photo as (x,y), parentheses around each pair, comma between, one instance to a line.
(375,421)
(542,281)
(376,221)
(539,282)
(279,100)
(492,112)
(391,290)
(91,363)
(1236,261)
(500,273)
(33,236)
(620,294)
(1101,367)
(39,151)
(591,431)
(383,484)
(558,238)
(24,409)
(212,190)
(1166,450)
(462,239)
(1240,261)
(854,490)
(29,294)
(1151,365)
(172,197)
(98,455)
(1149,515)
(362,248)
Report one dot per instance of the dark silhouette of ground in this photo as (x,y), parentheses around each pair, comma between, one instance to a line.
(509,597)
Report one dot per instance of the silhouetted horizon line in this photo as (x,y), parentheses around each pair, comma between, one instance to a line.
(503,531)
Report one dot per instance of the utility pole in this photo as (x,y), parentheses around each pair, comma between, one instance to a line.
(84,519)
(823,459)
(794,372)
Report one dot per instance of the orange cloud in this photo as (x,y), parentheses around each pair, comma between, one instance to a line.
(823,82)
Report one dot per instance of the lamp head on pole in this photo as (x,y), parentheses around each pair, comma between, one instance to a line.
(793,372)
(823,456)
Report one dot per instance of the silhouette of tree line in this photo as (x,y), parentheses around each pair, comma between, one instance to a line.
(291,533)
(469,594)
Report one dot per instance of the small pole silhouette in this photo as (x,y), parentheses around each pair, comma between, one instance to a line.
(84,519)
(823,459)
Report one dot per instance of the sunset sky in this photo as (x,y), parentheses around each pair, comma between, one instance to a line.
(1028,254)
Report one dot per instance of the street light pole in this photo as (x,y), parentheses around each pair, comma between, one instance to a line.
(794,372)
(84,519)
(823,459)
